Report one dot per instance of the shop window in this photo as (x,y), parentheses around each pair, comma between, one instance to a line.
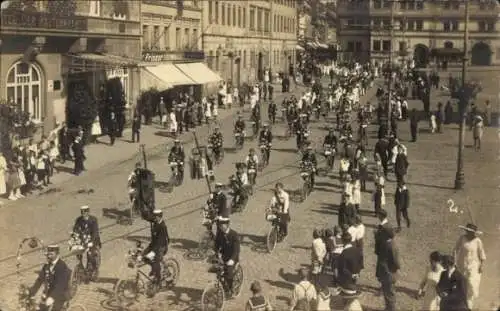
(24,87)
(122,74)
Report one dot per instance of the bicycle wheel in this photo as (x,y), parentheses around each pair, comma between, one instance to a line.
(213,298)
(237,281)
(95,270)
(171,272)
(272,239)
(127,291)
(75,279)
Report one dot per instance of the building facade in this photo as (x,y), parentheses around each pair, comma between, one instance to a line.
(46,46)
(426,31)
(241,39)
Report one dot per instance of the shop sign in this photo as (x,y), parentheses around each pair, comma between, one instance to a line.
(155,57)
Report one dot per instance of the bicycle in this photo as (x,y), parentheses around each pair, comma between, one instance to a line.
(329,153)
(29,303)
(177,173)
(239,140)
(305,174)
(214,294)
(207,239)
(79,245)
(275,234)
(127,290)
(264,155)
(252,176)
(216,156)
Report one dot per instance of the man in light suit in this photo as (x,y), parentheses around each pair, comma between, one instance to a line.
(55,276)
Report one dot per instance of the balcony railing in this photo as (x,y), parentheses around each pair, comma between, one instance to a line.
(42,20)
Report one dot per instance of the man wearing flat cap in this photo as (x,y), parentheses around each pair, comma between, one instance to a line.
(220,202)
(55,277)
(158,246)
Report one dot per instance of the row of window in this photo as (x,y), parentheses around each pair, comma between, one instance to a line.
(416,25)
(159,38)
(249,59)
(289,3)
(259,19)
(414,4)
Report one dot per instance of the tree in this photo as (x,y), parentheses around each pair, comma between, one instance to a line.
(14,124)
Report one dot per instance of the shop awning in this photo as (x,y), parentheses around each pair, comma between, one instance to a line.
(151,81)
(170,74)
(86,62)
(199,73)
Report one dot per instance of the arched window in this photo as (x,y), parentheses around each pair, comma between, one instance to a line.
(121,73)
(24,87)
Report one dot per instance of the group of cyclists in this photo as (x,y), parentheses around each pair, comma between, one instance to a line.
(297,113)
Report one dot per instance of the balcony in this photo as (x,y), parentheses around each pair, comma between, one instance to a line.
(42,21)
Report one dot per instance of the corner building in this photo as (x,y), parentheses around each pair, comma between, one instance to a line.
(242,39)
(425,31)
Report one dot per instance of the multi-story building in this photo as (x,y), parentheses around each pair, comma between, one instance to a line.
(47,46)
(171,47)
(426,31)
(241,39)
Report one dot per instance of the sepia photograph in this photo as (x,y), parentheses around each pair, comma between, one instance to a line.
(249,155)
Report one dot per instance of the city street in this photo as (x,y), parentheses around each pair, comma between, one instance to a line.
(430,180)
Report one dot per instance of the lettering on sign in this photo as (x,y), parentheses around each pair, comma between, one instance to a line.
(154,57)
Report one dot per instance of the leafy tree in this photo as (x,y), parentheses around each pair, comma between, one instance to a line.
(14,123)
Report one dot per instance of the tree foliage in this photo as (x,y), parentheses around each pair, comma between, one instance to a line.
(14,124)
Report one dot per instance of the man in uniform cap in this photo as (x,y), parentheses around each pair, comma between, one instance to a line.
(227,246)
(158,246)
(86,225)
(217,141)
(220,202)
(55,276)
(177,155)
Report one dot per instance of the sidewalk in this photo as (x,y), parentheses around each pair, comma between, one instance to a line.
(154,137)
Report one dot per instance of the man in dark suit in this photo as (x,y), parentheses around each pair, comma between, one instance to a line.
(382,149)
(136,127)
(79,155)
(227,245)
(387,260)
(158,246)
(220,203)
(452,287)
(348,263)
(55,276)
(87,225)
(401,164)
(402,203)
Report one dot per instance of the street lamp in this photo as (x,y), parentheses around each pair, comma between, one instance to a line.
(464,100)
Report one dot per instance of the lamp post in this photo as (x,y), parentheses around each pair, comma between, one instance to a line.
(464,100)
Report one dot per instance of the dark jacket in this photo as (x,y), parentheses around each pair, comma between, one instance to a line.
(228,245)
(401,164)
(159,238)
(382,148)
(402,198)
(387,259)
(56,281)
(220,203)
(266,136)
(90,227)
(348,264)
(455,288)
(136,124)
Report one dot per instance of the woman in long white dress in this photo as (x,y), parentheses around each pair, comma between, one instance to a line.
(427,289)
(173,123)
(469,257)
